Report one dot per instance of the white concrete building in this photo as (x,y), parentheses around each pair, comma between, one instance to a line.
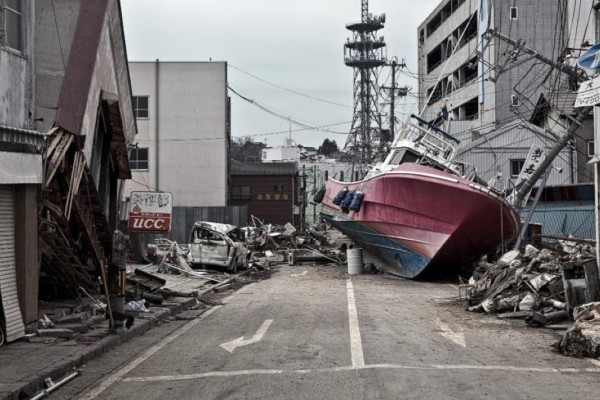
(183,119)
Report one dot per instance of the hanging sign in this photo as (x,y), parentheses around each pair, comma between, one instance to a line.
(588,93)
(150,212)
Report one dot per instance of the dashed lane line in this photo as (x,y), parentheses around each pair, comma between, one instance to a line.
(356,350)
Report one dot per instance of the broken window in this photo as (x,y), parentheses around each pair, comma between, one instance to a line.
(11,24)
(138,158)
(140,106)
(240,193)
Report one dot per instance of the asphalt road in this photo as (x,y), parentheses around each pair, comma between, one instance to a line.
(311,332)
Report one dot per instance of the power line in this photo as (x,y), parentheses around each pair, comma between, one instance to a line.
(281,116)
(289,90)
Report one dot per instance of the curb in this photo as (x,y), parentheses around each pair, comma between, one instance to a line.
(58,370)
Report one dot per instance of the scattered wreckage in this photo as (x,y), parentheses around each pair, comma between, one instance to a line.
(544,287)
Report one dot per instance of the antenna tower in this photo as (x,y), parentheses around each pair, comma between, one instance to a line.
(364,51)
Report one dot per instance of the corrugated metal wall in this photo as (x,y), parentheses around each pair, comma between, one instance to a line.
(563,219)
(9,301)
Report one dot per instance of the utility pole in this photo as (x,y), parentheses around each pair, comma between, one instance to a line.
(394,91)
(303,222)
(582,113)
(314,172)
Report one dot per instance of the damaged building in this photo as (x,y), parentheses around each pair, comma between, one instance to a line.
(71,117)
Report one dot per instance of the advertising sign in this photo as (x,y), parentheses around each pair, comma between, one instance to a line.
(150,212)
(588,93)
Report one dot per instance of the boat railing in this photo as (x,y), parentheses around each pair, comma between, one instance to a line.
(434,142)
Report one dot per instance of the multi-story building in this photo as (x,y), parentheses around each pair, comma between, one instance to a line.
(183,119)
(483,83)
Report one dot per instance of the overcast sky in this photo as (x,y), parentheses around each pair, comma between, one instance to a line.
(295,44)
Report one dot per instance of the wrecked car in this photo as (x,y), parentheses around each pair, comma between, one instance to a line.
(215,244)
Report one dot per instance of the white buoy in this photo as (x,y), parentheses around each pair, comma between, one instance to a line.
(355,261)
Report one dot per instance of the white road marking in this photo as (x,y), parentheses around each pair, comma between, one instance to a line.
(111,379)
(456,337)
(297,275)
(595,362)
(239,342)
(356,349)
(229,374)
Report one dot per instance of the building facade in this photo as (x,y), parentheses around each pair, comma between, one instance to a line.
(182,146)
(480,83)
(20,169)
(64,73)
(269,190)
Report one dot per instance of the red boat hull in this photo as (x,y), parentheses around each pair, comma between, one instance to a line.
(418,218)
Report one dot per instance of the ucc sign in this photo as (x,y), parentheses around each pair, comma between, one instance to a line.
(150,212)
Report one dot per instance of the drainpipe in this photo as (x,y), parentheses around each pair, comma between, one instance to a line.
(156,124)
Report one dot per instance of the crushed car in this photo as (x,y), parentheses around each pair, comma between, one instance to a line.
(215,244)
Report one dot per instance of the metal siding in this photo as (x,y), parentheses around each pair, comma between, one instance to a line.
(13,324)
(563,220)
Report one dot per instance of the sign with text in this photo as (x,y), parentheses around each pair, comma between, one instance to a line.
(150,212)
(588,93)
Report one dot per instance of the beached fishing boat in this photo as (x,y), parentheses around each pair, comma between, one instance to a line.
(420,210)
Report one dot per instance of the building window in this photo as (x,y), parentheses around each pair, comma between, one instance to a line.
(590,148)
(515,101)
(140,106)
(516,165)
(326,175)
(278,188)
(514,13)
(341,176)
(11,24)
(240,193)
(138,158)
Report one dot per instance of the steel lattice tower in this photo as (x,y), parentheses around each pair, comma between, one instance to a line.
(365,53)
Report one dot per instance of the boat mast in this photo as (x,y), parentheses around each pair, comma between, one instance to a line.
(582,113)
(364,52)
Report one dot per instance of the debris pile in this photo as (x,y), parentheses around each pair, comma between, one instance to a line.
(283,243)
(530,285)
(583,339)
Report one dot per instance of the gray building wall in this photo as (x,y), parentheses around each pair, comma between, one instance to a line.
(16,76)
(548,27)
(19,170)
(186,132)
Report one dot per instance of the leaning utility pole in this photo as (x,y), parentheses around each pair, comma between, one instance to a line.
(582,113)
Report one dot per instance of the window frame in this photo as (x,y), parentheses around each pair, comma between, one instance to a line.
(134,162)
(520,163)
(591,149)
(136,108)
(5,38)
(516,13)
(238,192)
(515,101)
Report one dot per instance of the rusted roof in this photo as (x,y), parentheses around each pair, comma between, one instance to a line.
(257,168)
